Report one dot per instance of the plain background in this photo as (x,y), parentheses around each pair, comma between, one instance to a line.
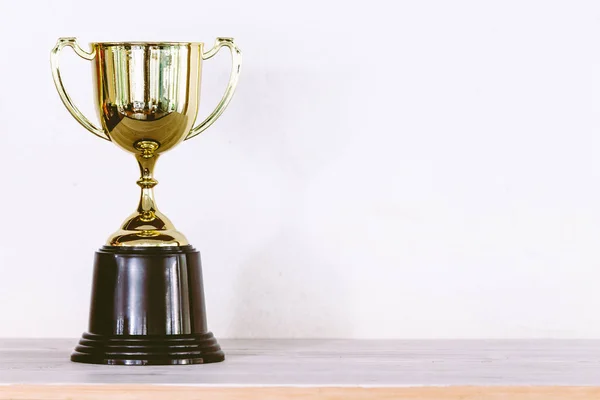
(387,169)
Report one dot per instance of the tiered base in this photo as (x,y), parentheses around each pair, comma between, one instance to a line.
(144,350)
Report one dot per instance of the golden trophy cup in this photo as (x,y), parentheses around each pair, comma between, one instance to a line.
(147,303)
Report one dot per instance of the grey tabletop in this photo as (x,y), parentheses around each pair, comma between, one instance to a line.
(340,363)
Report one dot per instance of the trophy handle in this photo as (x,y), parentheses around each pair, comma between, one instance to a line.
(64,96)
(236,59)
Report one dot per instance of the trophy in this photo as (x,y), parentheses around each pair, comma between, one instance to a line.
(147,303)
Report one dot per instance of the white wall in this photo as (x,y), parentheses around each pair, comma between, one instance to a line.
(386,169)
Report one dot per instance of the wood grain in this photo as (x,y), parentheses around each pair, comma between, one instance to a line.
(318,369)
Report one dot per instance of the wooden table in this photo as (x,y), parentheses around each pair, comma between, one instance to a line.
(318,369)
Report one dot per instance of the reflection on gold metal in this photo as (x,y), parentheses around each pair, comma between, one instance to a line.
(147,100)
(146,147)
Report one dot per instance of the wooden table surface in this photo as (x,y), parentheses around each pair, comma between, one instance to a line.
(318,369)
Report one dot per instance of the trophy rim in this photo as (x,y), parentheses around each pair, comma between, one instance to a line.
(142,43)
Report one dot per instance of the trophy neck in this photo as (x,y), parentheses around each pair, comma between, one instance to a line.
(147,205)
(147,226)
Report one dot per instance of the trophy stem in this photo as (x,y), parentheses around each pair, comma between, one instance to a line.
(147,205)
(147,226)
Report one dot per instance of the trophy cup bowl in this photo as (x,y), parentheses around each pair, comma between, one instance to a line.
(147,304)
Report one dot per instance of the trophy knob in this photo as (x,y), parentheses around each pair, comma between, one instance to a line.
(147,148)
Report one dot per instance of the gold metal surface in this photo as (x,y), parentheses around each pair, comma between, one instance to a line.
(236,65)
(64,96)
(147,100)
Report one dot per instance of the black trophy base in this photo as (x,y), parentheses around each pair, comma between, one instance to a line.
(147,308)
(144,350)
